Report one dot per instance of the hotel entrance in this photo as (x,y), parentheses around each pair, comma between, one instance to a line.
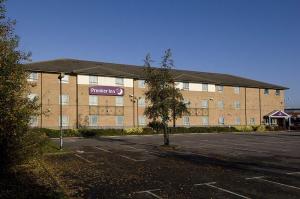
(278,118)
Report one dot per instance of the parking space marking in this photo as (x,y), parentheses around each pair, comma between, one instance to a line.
(150,193)
(210,184)
(293,173)
(86,160)
(103,149)
(273,182)
(132,159)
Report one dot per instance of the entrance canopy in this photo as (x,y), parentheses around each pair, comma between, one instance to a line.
(278,114)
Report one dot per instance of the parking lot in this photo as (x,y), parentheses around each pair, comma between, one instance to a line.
(251,165)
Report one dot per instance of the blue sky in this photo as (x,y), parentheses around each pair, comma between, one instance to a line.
(258,39)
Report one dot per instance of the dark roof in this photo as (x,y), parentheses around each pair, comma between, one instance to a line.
(73,66)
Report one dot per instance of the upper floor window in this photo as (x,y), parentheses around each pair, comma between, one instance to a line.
(237,104)
(93,79)
(185,86)
(266,91)
(64,99)
(204,103)
(141,83)
(119,81)
(277,92)
(32,77)
(93,120)
(204,87)
(220,88)
(65,79)
(33,121)
(141,102)
(221,104)
(119,101)
(187,102)
(93,100)
(32,96)
(237,90)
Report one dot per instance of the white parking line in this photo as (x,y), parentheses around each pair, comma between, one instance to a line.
(103,149)
(86,160)
(273,182)
(150,193)
(132,159)
(210,184)
(293,173)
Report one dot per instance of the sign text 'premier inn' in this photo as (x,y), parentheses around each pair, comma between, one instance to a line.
(106,90)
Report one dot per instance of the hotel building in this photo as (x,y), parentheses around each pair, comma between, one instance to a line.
(107,95)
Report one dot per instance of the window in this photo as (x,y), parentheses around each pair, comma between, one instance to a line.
(204,87)
(252,121)
(32,96)
(187,102)
(119,81)
(204,120)
(204,103)
(93,120)
(221,120)
(237,104)
(220,88)
(119,101)
(65,121)
(266,91)
(93,100)
(119,120)
(141,83)
(32,77)
(277,92)
(65,99)
(185,86)
(221,104)
(93,79)
(65,79)
(141,102)
(237,90)
(33,121)
(142,120)
(186,121)
(237,121)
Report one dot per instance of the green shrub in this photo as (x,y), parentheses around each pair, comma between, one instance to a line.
(54,133)
(100,132)
(133,131)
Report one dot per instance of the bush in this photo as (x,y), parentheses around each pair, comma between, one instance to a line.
(133,131)
(100,132)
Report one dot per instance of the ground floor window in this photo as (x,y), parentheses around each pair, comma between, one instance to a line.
(252,121)
(33,121)
(221,120)
(65,121)
(204,120)
(237,121)
(120,120)
(186,121)
(93,120)
(142,120)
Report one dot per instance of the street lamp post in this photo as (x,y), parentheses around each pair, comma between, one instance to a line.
(60,77)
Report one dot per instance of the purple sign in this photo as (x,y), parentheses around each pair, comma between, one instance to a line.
(106,90)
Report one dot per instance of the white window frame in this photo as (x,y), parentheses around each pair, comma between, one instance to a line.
(205,87)
(93,100)
(32,96)
(65,79)
(91,120)
(237,104)
(220,88)
(141,83)
(204,103)
(119,101)
(237,89)
(187,103)
(119,81)
(142,102)
(221,120)
(221,104)
(117,120)
(266,91)
(32,77)
(93,80)
(252,121)
(65,121)
(34,122)
(186,120)
(65,99)
(237,121)
(142,120)
(205,120)
(277,92)
(185,85)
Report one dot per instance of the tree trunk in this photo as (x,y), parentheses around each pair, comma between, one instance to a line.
(166,135)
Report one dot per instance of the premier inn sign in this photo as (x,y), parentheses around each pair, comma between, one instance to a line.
(106,90)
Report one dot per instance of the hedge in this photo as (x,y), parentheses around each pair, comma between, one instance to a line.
(148,131)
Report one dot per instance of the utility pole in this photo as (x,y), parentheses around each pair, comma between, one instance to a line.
(60,77)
